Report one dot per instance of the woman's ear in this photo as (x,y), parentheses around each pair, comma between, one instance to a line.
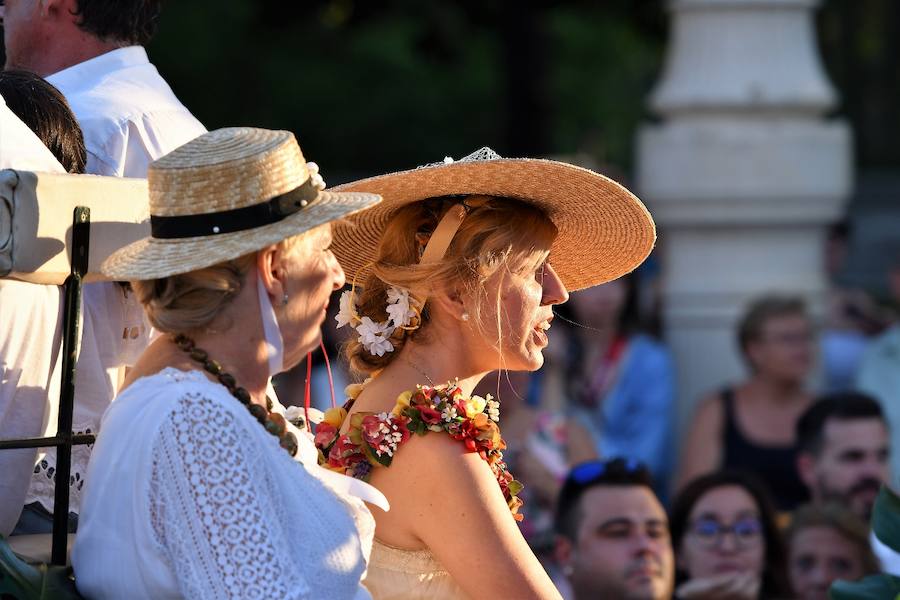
(267,265)
(450,301)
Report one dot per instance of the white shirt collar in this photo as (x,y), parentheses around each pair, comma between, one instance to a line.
(94,68)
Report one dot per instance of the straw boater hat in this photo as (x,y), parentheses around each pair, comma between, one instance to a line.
(224,194)
(604,230)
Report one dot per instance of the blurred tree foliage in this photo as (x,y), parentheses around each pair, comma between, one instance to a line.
(373,85)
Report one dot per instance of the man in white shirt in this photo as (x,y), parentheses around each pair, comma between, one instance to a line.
(29,339)
(92,50)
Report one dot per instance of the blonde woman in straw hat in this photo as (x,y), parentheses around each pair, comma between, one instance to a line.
(198,486)
(457,273)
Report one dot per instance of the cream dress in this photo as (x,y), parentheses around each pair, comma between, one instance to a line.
(397,574)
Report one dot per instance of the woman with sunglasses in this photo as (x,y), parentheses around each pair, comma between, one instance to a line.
(726,540)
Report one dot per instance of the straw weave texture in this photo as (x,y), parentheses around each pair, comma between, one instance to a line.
(604,230)
(224,170)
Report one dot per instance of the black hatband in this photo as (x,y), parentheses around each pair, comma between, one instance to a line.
(238,219)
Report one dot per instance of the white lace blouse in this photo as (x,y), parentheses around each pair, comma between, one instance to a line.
(187,496)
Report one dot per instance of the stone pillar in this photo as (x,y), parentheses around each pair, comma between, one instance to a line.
(743,174)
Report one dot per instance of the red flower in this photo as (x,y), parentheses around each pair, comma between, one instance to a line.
(325,435)
(344,453)
(429,415)
(373,429)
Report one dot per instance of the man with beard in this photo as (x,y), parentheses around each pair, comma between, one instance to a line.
(613,533)
(844,450)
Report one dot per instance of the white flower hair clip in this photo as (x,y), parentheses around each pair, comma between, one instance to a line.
(375,337)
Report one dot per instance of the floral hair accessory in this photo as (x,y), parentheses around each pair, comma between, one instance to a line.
(375,337)
(314,176)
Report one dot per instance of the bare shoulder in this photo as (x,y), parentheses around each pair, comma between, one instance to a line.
(708,414)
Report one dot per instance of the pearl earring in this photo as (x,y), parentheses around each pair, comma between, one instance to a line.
(464,316)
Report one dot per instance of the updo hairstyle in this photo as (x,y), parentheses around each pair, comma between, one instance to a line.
(496,233)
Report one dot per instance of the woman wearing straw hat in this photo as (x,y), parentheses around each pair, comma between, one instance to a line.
(455,281)
(197,487)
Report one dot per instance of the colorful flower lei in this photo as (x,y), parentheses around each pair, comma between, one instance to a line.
(373,439)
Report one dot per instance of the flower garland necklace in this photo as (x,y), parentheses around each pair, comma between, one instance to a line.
(273,422)
(373,439)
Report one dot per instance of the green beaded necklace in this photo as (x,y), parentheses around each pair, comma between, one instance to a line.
(272,421)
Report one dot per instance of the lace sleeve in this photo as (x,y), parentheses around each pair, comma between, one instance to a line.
(212,507)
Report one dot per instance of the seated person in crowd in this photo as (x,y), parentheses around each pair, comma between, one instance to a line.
(727,541)
(44,109)
(619,380)
(613,533)
(751,426)
(844,446)
(826,543)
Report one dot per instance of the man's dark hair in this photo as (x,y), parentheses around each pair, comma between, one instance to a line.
(842,406)
(617,472)
(131,22)
(45,111)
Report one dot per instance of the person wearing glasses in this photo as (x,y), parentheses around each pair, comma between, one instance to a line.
(727,541)
(614,539)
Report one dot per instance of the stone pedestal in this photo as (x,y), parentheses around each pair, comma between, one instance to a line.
(743,174)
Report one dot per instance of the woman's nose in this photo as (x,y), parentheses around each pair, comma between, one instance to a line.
(554,290)
(339,278)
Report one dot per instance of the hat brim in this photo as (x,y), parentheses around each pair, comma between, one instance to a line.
(153,258)
(604,230)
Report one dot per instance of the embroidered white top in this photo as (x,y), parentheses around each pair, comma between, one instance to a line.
(188,496)
(129,114)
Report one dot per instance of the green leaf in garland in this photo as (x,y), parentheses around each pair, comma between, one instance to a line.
(383,460)
(515,486)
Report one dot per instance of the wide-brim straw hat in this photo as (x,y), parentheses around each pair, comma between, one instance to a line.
(224,194)
(604,230)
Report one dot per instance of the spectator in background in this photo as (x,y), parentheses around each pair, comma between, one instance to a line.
(751,426)
(879,374)
(29,315)
(852,317)
(727,541)
(843,449)
(92,51)
(45,111)
(826,543)
(613,533)
(620,382)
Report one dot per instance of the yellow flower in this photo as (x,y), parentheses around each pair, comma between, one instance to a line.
(480,420)
(402,402)
(353,390)
(335,416)
(475,406)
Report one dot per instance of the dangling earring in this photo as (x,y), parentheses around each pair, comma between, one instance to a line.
(284,300)
(464,316)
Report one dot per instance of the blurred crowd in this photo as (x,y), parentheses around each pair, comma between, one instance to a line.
(766,494)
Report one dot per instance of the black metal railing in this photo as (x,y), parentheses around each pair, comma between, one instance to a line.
(64,438)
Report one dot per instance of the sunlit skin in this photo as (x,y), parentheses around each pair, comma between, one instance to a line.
(307,272)
(444,498)
(818,556)
(43,36)
(623,547)
(851,466)
(725,505)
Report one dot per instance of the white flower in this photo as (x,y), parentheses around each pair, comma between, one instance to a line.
(448,160)
(347,313)
(398,307)
(314,176)
(493,408)
(374,336)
